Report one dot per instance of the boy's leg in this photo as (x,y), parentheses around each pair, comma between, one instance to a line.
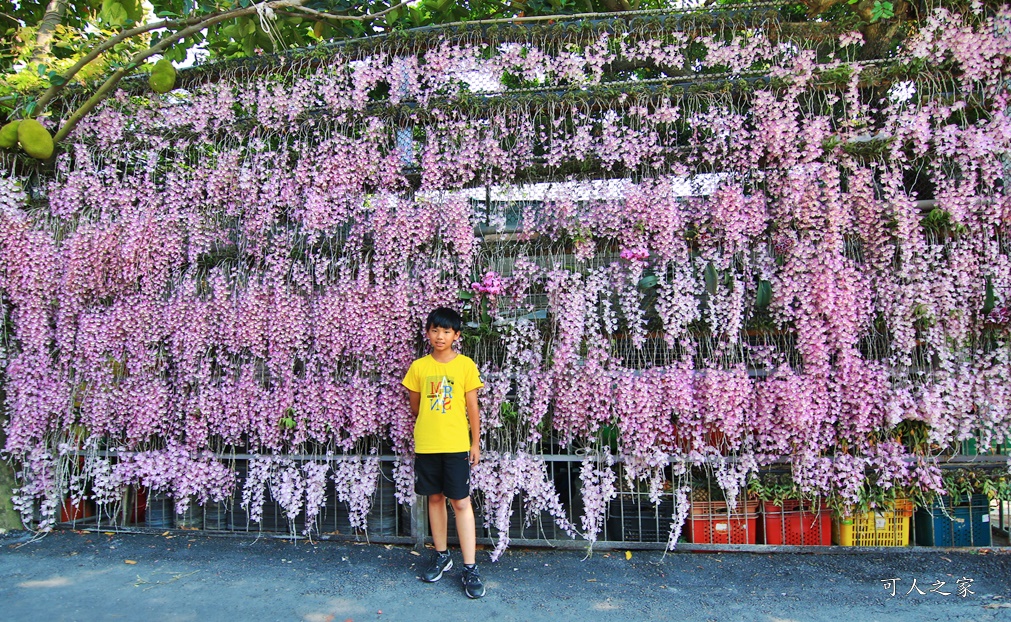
(465,528)
(428,471)
(457,488)
(441,561)
(473,587)
(438,520)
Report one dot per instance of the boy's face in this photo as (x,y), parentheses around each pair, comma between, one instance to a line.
(442,338)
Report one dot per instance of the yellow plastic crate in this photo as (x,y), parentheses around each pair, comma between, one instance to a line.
(888,528)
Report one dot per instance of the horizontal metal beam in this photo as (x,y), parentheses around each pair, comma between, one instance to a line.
(953,460)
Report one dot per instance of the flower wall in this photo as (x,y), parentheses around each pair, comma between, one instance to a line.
(732,269)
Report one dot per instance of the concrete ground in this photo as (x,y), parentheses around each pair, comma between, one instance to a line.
(91,576)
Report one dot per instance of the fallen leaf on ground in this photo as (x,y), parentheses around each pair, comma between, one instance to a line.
(129,561)
(416,553)
(628,554)
(945,559)
(591,580)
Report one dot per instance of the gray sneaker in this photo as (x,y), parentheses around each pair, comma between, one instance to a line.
(472,584)
(441,562)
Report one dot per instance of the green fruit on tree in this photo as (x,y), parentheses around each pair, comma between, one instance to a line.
(35,139)
(163,76)
(9,135)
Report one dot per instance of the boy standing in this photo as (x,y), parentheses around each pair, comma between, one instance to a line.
(443,389)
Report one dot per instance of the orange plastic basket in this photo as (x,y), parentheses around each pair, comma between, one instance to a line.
(796,523)
(712,523)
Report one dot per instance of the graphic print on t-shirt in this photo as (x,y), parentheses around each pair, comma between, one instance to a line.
(440,393)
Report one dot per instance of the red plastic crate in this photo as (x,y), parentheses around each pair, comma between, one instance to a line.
(797,523)
(712,523)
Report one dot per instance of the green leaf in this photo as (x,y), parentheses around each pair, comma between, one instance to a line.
(882,10)
(647,282)
(113,13)
(711,277)
(249,44)
(464,294)
(988,297)
(764,294)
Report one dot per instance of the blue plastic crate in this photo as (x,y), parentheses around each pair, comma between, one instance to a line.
(964,525)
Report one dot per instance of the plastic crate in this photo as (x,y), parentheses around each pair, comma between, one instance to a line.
(713,523)
(962,525)
(796,523)
(886,528)
(634,518)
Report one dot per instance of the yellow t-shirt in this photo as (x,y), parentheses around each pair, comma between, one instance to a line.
(442,425)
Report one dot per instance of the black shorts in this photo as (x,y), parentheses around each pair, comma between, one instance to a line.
(448,474)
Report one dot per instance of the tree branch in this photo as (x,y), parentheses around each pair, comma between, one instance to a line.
(54,89)
(346,18)
(202,21)
(138,58)
(162,45)
(55,11)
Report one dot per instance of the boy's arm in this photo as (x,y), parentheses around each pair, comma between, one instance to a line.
(475,427)
(415,401)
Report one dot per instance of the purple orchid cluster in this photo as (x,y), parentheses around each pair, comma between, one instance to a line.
(490,285)
(508,481)
(770,288)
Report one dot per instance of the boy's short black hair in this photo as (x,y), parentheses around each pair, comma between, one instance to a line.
(444,317)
